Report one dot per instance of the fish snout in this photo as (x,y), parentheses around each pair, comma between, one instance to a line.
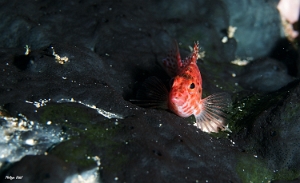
(177,99)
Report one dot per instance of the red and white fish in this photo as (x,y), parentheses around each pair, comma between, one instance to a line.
(185,95)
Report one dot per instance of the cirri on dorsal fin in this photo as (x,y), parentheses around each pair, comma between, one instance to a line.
(173,63)
(193,57)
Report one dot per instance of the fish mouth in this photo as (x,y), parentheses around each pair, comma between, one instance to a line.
(177,101)
(179,106)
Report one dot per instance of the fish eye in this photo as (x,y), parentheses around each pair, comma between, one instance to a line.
(192,86)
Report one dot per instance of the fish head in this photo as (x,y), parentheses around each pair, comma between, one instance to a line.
(186,91)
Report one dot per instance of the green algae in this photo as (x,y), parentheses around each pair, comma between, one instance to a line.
(248,106)
(91,135)
(71,153)
(58,113)
(286,174)
(245,110)
(251,170)
(95,141)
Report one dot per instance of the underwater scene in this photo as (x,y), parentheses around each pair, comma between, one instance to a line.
(198,91)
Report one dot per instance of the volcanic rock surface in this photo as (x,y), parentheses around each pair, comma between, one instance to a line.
(66,114)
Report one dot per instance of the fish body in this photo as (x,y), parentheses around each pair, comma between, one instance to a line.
(186,91)
(185,96)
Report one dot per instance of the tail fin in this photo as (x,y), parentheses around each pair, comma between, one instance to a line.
(212,116)
(153,94)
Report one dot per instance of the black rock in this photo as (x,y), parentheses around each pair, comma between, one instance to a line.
(87,60)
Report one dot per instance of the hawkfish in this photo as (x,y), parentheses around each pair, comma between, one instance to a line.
(184,97)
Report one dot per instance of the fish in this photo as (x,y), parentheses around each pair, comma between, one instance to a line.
(184,98)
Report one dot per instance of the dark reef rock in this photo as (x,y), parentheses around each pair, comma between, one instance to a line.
(119,142)
(265,75)
(38,168)
(258,26)
(65,110)
(270,131)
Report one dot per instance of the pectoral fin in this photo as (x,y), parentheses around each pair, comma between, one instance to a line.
(212,116)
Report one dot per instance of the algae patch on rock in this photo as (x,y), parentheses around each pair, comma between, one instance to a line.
(251,169)
(90,136)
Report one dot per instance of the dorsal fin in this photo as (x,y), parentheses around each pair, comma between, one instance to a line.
(173,61)
(193,56)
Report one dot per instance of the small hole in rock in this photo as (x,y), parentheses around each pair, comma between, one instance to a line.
(157,153)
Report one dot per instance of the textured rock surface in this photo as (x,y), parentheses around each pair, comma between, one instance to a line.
(38,169)
(255,29)
(265,75)
(270,131)
(77,113)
